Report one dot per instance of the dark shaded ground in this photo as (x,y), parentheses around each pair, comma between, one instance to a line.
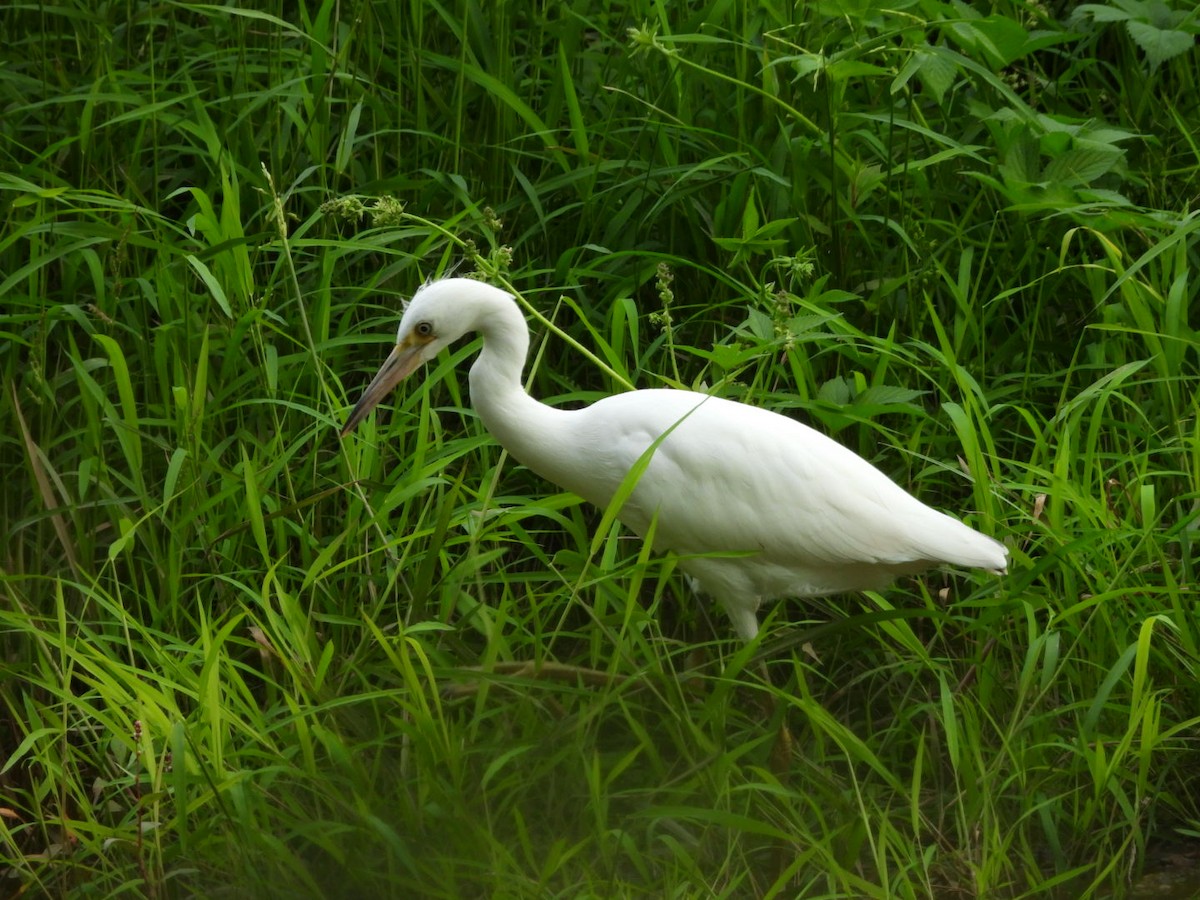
(1172,873)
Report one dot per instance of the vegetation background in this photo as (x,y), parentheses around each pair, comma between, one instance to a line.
(240,657)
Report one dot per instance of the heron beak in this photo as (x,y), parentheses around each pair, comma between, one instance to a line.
(401,362)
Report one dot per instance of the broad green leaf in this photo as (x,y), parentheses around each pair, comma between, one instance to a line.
(1101,13)
(1159,44)
(1080,165)
(936,74)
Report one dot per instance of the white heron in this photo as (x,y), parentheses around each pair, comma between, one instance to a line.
(756,505)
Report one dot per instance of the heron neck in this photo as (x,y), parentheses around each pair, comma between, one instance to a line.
(527,429)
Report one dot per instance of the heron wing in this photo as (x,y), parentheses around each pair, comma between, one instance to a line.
(729,477)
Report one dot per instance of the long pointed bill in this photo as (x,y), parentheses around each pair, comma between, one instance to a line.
(401,363)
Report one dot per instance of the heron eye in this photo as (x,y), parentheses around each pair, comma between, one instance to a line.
(424,329)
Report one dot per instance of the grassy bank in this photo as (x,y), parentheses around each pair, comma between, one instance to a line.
(240,657)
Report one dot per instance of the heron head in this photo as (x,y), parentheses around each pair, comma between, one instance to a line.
(438,315)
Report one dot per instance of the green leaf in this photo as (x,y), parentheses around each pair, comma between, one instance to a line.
(836,392)
(1159,44)
(128,532)
(29,741)
(803,64)
(1081,165)
(1102,13)
(936,74)
(254,506)
(887,395)
(348,139)
(844,69)
(178,457)
(210,281)
(999,38)
(760,325)
(1022,163)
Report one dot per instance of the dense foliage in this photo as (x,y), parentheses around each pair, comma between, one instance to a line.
(240,657)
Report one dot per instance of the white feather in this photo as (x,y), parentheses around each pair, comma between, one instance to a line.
(801,515)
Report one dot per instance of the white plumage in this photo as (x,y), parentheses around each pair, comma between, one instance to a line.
(797,513)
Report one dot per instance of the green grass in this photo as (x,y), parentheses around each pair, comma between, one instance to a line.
(241,658)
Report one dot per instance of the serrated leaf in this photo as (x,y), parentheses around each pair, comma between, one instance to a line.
(760,325)
(727,357)
(1102,13)
(887,395)
(798,325)
(936,75)
(1161,15)
(836,391)
(1159,44)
